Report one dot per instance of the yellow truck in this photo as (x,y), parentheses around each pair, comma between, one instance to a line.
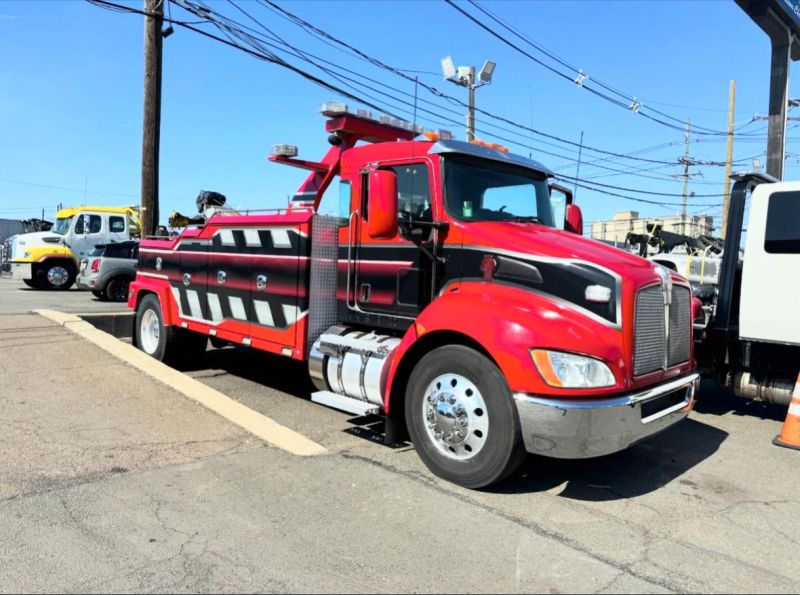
(50,259)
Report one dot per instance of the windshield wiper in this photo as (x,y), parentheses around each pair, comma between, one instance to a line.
(524,219)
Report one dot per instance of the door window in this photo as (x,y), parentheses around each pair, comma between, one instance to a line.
(413,190)
(782,235)
(79,226)
(95,223)
(116,224)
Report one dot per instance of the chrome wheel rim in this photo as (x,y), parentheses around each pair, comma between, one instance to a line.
(149,332)
(455,416)
(57,276)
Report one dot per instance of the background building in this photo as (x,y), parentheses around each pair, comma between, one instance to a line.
(625,222)
(9,227)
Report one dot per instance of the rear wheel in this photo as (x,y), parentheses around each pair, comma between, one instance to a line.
(462,418)
(165,343)
(57,276)
(100,295)
(117,289)
(31,283)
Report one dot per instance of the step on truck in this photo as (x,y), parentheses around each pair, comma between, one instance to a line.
(50,259)
(446,296)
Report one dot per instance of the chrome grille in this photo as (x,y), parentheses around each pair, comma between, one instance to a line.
(650,336)
(652,349)
(5,257)
(680,327)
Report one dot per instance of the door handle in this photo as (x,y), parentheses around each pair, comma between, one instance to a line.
(187,279)
(261,282)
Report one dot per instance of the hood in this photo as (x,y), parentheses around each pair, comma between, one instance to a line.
(37,238)
(23,242)
(538,240)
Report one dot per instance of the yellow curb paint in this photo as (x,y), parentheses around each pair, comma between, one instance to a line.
(257,424)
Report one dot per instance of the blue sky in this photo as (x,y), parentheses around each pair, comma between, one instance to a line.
(71,95)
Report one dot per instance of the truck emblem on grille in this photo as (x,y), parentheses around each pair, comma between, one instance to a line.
(666,283)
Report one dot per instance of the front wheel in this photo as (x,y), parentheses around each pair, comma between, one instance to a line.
(31,283)
(57,276)
(462,418)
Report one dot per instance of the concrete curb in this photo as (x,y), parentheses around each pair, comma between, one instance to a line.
(257,424)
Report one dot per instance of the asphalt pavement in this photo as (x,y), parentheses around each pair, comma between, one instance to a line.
(113,481)
(17,298)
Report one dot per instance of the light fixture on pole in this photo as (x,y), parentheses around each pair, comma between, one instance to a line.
(464,76)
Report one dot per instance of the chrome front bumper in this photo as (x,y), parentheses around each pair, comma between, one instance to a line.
(21,270)
(580,429)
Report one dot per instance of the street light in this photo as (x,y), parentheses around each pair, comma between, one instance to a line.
(464,76)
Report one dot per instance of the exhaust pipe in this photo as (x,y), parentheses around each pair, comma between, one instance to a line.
(771,390)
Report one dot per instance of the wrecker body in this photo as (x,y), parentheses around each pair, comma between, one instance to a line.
(445,297)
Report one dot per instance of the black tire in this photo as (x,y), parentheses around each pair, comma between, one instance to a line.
(172,345)
(100,295)
(503,450)
(31,283)
(66,271)
(117,289)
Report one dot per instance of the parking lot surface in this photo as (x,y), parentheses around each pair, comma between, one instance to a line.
(112,481)
(16,298)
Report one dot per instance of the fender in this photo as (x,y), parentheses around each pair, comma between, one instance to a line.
(512,321)
(169,309)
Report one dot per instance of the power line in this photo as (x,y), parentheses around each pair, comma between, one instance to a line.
(578,76)
(229,29)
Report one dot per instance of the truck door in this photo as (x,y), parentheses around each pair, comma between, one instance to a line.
(770,285)
(89,230)
(393,277)
(117,228)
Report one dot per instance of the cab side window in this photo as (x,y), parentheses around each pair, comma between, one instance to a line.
(413,189)
(95,223)
(79,226)
(116,224)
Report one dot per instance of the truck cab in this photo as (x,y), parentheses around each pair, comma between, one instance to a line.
(750,341)
(446,296)
(50,259)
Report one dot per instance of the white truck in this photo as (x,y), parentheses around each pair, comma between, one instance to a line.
(50,259)
(751,341)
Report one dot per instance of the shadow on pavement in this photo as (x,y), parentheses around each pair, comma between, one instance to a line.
(639,470)
(280,373)
(718,400)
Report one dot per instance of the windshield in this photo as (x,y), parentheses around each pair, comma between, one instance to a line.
(481,190)
(62,226)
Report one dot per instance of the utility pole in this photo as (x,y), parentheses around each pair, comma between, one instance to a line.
(471,114)
(686,162)
(778,100)
(464,76)
(729,160)
(152,114)
(685,176)
(578,167)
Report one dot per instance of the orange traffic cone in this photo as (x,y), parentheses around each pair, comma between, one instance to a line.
(790,435)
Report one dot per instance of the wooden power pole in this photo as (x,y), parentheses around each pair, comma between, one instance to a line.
(685,178)
(152,114)
(729,160)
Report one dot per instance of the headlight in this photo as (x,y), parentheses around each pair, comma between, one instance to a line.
(568,370)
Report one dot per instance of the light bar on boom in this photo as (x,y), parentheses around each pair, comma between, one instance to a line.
(336,109)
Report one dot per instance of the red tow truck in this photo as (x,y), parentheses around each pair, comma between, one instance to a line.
(446,297)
